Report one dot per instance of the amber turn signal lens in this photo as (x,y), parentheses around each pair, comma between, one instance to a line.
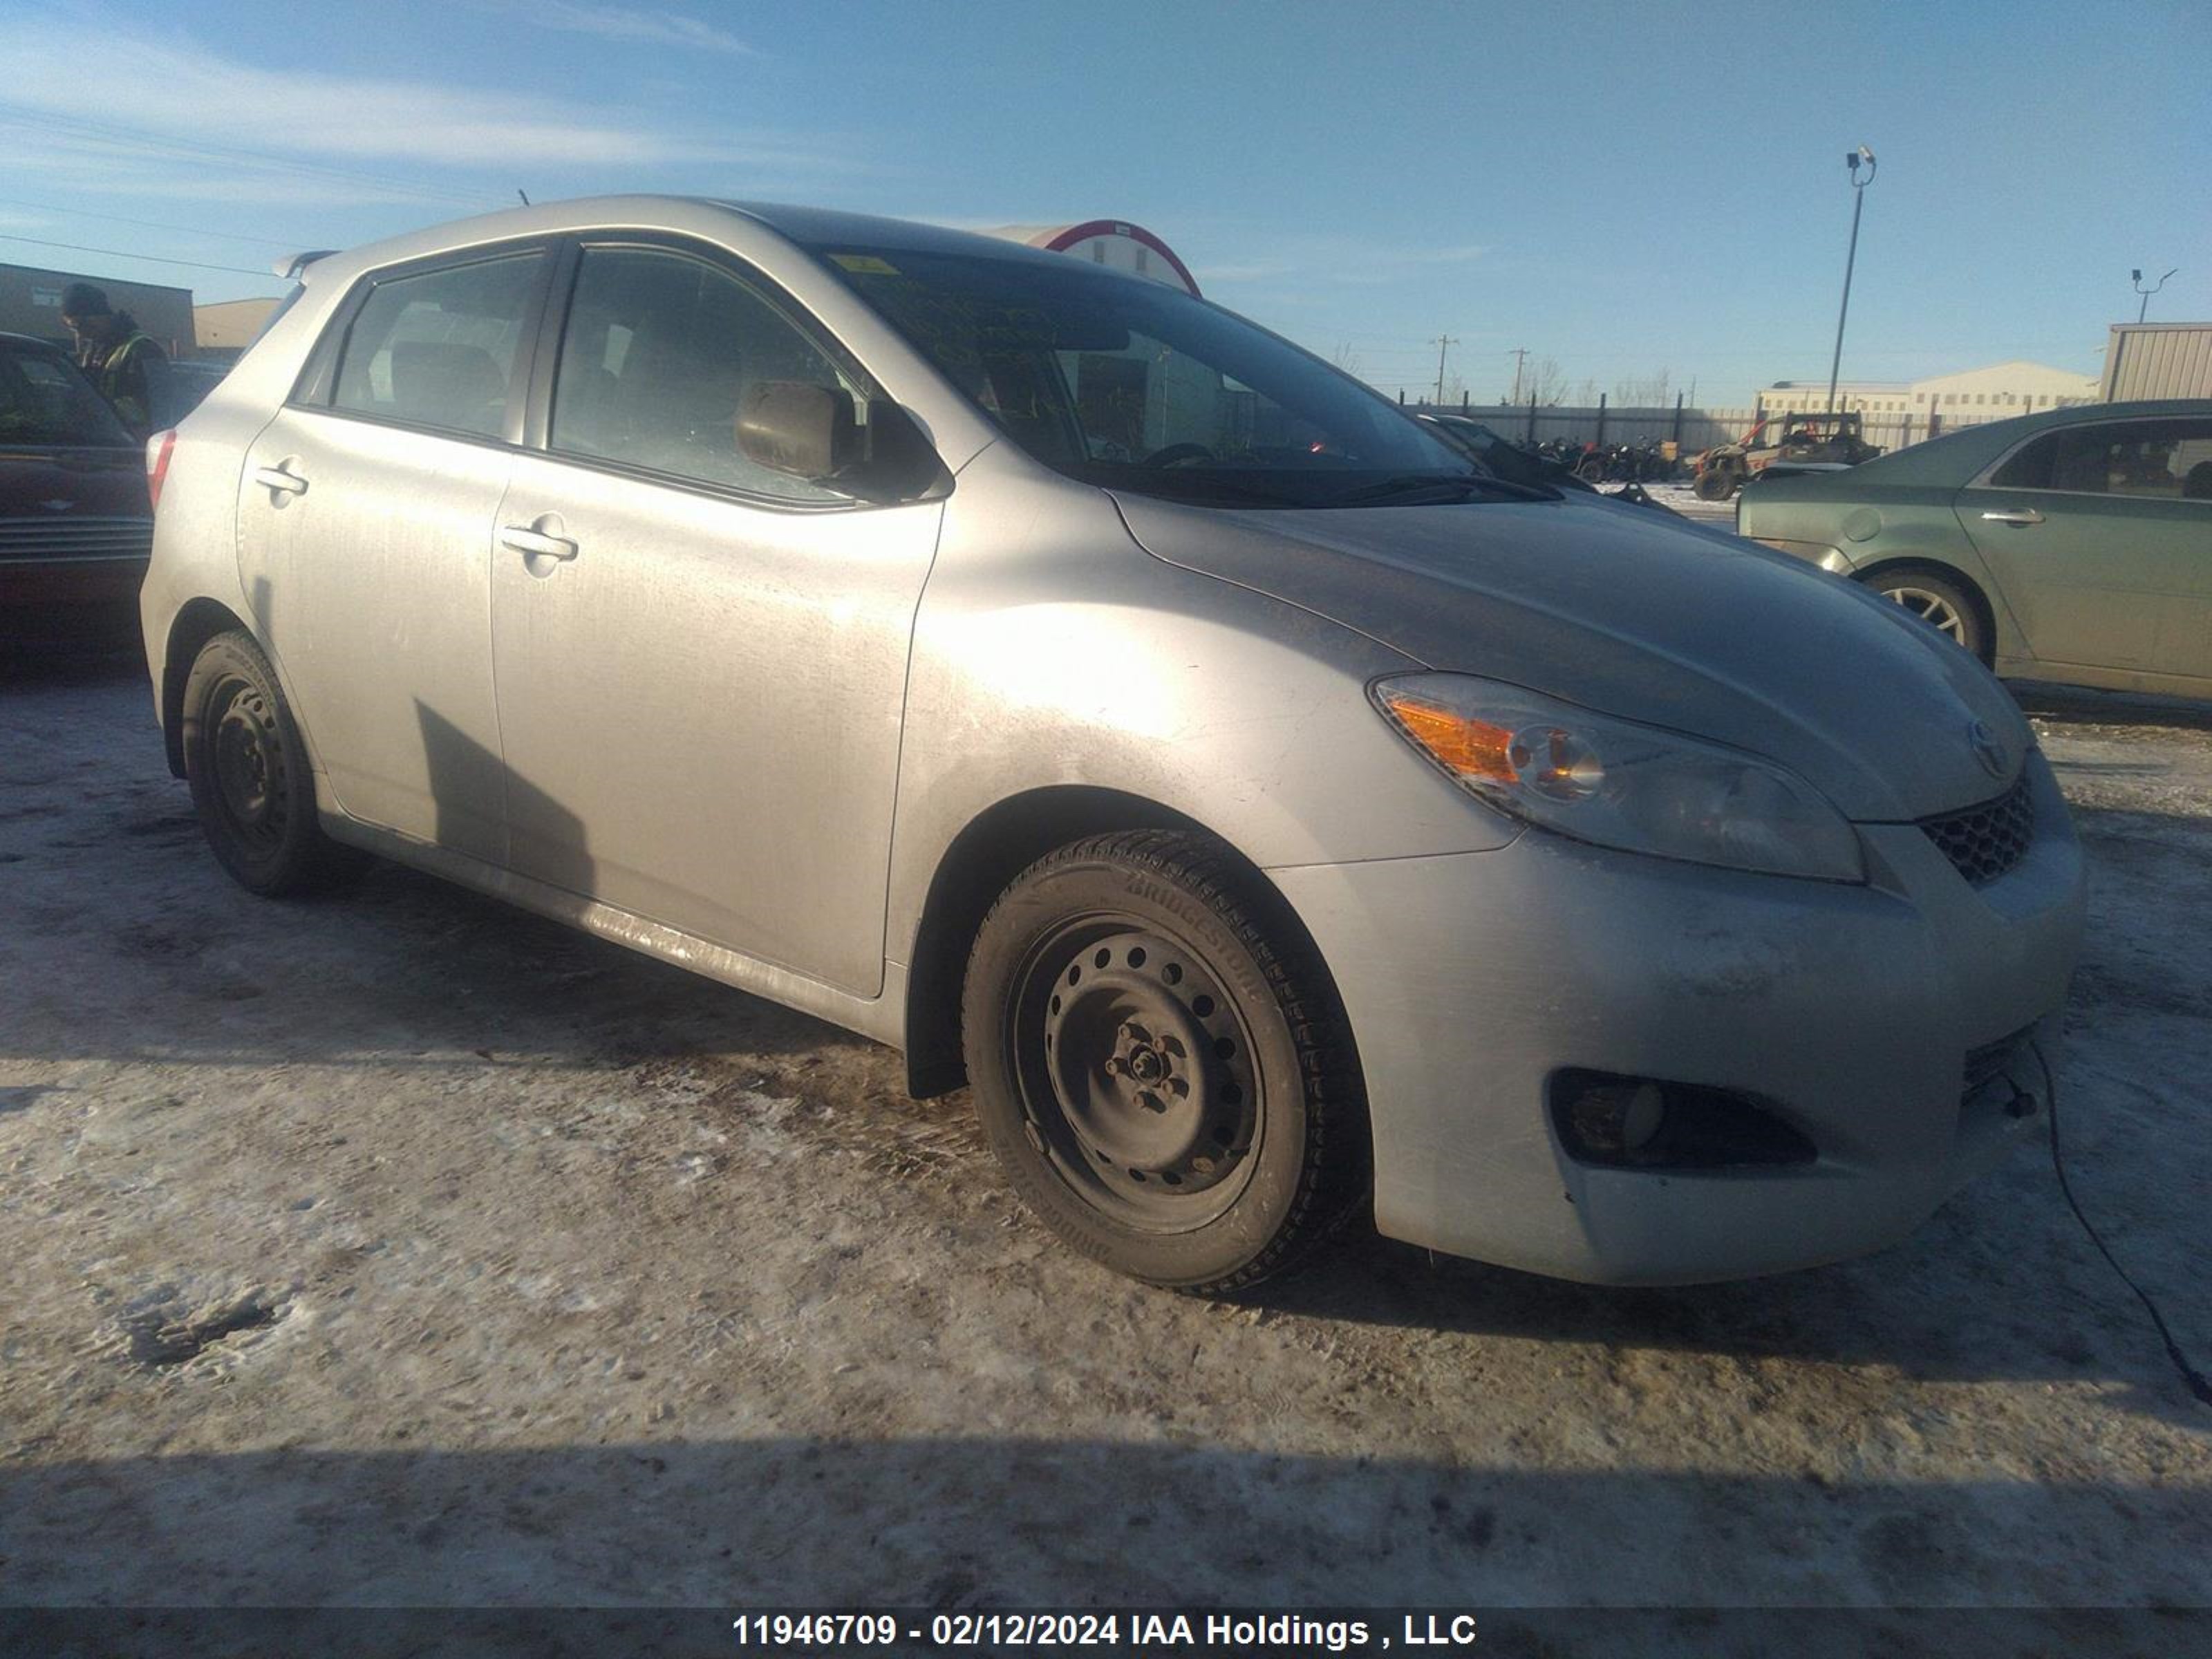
(1471,748)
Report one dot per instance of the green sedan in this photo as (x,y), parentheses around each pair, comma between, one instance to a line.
(2072,546)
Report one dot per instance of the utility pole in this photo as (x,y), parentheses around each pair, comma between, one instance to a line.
(1444,342)
(1518,354)
(1853,161)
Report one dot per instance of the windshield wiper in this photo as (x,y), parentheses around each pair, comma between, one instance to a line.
(1198,487)
(1461,486)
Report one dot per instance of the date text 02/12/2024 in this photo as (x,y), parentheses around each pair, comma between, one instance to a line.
(832,1631)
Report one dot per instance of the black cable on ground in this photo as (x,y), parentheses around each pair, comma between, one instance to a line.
(2195,1380)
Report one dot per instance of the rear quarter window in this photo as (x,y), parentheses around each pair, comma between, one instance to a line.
(438,349)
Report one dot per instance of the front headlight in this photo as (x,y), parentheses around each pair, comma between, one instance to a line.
(1619,784)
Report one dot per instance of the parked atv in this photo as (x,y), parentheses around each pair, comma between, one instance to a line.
(1828,439)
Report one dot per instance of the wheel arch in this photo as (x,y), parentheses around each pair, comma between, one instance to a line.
(997,845)
(197,622)
(1969,584)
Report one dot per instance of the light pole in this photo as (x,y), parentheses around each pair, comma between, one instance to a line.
(2148,292)
(1853,161)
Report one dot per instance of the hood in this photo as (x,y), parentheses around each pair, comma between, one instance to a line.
(1623,612)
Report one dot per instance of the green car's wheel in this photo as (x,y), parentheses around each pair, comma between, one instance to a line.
(1940,601)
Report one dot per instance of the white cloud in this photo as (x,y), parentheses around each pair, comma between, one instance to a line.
(659,28)
(179,87)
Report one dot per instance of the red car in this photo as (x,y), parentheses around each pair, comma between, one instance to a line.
(75,524)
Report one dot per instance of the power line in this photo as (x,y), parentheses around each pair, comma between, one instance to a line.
(48,125)
(150,259)
(150,224)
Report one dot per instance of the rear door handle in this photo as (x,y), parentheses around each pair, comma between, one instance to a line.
(277,478)
(2016,517)
(521,538)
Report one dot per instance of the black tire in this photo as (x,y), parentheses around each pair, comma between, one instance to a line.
(250,779)
(1715,483)
(1162,1064)
(1591,471)
(1941,600)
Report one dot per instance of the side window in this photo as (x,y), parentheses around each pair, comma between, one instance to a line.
(657,355)
(2166,460)
(2028,468)
(438,350)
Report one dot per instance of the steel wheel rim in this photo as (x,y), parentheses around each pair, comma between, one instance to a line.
(246,759)
(1933,608)
(1139,1081)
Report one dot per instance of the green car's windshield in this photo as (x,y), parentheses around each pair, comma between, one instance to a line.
(1132,384)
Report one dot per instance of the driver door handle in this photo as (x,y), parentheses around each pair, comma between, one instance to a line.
(521,538)
(2017,517)
(277,478)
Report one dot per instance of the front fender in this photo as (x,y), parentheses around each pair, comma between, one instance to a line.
(1051,651)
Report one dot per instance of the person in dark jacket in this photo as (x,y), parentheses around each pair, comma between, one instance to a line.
(125,362)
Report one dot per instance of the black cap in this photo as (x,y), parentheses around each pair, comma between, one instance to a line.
(84,300)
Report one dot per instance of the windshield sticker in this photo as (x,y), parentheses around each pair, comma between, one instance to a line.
(866,264)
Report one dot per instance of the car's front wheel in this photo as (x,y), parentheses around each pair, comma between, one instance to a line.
(1161,1063)
(250,783)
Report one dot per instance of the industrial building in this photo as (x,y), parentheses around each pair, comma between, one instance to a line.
(227,327)
(31,303)
(1965,398)
(2157,360)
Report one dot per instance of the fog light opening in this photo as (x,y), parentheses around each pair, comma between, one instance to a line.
(1634,1122)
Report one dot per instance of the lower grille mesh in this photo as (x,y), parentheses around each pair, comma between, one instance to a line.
(1984,842)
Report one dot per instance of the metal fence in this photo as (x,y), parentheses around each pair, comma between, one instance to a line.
(1693,429)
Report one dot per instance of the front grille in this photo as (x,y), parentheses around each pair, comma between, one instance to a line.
(67,537)
(1984,842)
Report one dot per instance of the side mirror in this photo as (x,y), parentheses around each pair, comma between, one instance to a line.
(810,432)
(798,428)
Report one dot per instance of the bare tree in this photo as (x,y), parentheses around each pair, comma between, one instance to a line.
(1644,392)
(1346,359)
(1544,381)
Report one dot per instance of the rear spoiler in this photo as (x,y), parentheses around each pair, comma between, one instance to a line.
(290,269)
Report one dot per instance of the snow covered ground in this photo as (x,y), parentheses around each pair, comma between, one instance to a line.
(398,1248)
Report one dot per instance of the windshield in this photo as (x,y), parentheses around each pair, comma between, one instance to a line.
(1133,384)
(44,401)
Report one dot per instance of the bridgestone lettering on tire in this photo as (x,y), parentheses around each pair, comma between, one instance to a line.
(1161,1062)
(250,779)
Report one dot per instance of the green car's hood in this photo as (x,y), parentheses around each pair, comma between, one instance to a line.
(1622,611)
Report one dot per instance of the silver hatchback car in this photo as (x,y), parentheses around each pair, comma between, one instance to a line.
(1126,713)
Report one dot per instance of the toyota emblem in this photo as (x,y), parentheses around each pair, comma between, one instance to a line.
(1989,749)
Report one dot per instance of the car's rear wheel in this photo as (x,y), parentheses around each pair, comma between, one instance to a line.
(1161,1063)
(1715,483)
(250,779)
(1940,601)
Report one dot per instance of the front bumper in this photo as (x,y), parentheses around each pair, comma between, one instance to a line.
(1850,1011)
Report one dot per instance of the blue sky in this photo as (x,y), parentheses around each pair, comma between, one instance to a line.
(1621,190)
